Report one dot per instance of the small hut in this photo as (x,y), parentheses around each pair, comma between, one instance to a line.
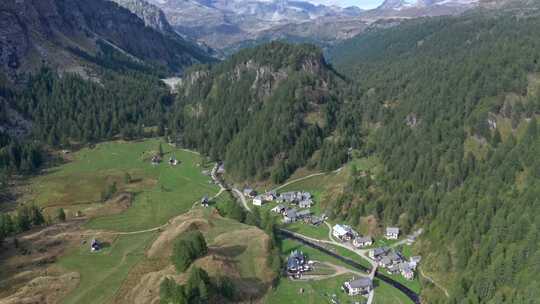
(95,245)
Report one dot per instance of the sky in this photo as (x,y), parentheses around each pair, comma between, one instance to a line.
(365,4)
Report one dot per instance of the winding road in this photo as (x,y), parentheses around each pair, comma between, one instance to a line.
(413,296)
(224,187)
(316,244)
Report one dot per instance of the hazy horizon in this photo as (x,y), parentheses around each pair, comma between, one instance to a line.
(363,4)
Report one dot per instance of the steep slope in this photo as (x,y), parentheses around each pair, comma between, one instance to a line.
(150,14)
(264,111)
(451,107)
(78,35)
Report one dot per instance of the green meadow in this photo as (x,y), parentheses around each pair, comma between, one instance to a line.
(103,272)
(160,191)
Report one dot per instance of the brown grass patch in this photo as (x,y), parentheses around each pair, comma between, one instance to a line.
(238,253)
(36,251)
(162,247)
(46,289)
(142,285)
(371,224)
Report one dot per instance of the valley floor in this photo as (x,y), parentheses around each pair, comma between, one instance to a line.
(153,204)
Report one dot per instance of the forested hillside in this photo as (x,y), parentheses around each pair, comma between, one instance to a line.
(451,107)
(264,111)
(69,110)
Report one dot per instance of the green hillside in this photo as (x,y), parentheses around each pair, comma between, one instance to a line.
(264,111)
(450,105)
(430,124)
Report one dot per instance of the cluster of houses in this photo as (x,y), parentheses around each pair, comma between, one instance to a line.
(394,262)
(346,234)
(386,258)
(300,199)
(297,264)
(293,206)
(362,286)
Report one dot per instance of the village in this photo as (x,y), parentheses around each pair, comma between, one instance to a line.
(295,207)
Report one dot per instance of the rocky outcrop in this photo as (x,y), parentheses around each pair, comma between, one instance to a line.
(68,34)
(149,13)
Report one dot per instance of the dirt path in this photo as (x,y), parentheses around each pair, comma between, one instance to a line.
(338,270)
(414,235)
(298,180)
(434,282)
(242,198)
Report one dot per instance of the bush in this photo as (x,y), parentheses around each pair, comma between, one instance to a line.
(188,248)
(61,215)
(231,210)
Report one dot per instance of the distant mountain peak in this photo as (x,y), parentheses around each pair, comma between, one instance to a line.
(412,4)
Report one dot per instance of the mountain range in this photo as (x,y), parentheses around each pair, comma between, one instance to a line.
(224,24)
(80,36)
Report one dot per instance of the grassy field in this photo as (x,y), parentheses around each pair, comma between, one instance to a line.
(161,191)
(103,272)
(386,294)
(319,232)
(320,292)
(315,292)
(289,245)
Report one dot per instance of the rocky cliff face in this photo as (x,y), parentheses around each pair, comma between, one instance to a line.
(70,35)
(150,14)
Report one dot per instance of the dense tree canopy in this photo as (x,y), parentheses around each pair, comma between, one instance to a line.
(264,111)
(450,106)
(187,248)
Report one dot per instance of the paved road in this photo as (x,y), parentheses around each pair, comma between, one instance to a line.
(224,187)
(363,253)
(316,245)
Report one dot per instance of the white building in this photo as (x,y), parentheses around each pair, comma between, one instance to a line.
(258,201)
(361,286)
(342,232)
(406,271)
(362,241)
(279,209)
(392,233)
(249,192)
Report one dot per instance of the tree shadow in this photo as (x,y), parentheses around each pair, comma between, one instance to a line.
(229,251)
